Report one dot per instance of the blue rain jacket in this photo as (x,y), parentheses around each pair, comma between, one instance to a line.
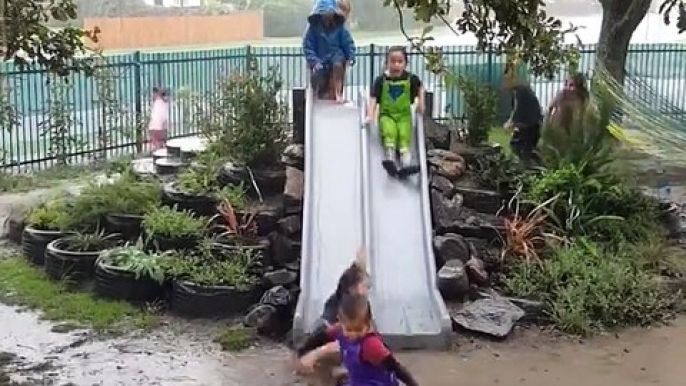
(326,44)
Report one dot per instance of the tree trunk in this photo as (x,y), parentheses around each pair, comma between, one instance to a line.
(620,20)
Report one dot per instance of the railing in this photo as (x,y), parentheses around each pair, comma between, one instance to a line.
(107,112)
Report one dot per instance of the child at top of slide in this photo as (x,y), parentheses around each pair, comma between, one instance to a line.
(159,119)
(368,361)
(392,96)
(329,48)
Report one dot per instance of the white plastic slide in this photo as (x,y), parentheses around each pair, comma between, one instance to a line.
(350,201)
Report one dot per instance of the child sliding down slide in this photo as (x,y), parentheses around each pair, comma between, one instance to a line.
(393,94)
(329,48)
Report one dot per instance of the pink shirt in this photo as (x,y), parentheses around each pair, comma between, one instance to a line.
(159,117)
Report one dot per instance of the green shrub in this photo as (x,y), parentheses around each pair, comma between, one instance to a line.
(170,223)
(481,108)
(585,288)
(52,215)
(599,206)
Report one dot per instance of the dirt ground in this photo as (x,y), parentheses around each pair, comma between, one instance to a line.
(181,353)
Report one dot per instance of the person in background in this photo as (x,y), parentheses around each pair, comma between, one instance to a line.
(525,121)
(393,94)
(365,356)
(159,119)
(329,47)
(568,102)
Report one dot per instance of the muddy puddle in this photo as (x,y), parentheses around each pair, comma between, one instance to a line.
(180,353)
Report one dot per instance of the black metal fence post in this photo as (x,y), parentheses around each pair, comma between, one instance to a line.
(138,103)
(429,101)
(298,96)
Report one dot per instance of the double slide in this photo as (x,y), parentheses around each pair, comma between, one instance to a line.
(351,202)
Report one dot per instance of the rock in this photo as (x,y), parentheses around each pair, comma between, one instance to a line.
(437,135)
(468,153)
(445,211)
(451,246)
(294,156)
(278,297)
(283,250)
(476,271)
(291,226)
(14,208)
(474,224)
(533,310)
(443,185)
(447,164)
(453,281)
(268,216)
(280,277)
(485,201)
(293,266)
(265,319)
(294,190)
(494,316)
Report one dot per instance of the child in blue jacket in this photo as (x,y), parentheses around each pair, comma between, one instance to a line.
(329,47)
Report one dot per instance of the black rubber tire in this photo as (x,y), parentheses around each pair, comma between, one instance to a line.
(62,264)
(271,182)
(114,283)
(199,205)
(128,226)
(35,241)
(191,300)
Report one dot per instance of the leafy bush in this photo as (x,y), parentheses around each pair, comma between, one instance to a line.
(215,266)
(481,108)
(132,259)
(201,178)
(52,215)
(493,169)
(248,118)
(599,206)
(170,223)
(586,288)
(89,242)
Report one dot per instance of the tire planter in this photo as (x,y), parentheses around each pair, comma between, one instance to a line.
(116,283)
(270,181)
(199,205)
(126,225)
(35,241)
(193,300)
(166,244)
(76,266)
(263,247)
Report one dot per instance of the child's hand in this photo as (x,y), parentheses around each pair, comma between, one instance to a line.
(305,365)
(420,109)
(351,62)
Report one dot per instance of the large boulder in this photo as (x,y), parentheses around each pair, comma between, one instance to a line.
(442,185)
(294,190)
(437,135)
(445,210)
(294,156)
(447,164)
(453,282)
(452,246)
(494,315)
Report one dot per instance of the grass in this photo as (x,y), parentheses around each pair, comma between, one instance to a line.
(23,284)
(236,338)
(500,136)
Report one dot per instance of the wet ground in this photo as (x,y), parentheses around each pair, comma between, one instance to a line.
(181,353)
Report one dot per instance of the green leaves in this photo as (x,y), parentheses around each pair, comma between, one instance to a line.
(520,29)
(30,39)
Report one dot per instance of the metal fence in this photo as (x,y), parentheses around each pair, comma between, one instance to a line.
(89,102)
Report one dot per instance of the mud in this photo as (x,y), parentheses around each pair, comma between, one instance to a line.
(181,353)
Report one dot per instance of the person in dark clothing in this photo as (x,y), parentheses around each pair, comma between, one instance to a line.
(525,122)
(365,356)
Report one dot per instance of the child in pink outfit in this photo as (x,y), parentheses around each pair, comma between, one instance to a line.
(159,119)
